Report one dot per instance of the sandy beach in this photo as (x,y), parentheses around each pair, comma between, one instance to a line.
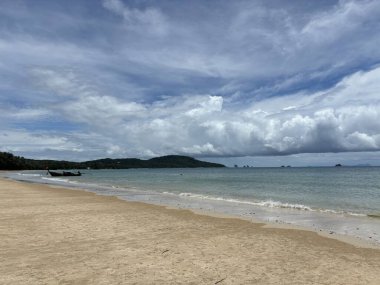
(51,235)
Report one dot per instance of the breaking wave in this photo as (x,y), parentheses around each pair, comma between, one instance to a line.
(29,174)
(269,204)
(57,179)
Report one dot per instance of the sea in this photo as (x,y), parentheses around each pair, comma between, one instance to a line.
(331,200)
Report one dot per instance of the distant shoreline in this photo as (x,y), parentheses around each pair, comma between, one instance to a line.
(8,161)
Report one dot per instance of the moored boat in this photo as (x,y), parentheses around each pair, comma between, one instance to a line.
(64,173)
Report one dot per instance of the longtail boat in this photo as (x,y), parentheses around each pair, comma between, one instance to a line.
(64,173)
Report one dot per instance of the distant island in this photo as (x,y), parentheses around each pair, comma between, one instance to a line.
(8,161)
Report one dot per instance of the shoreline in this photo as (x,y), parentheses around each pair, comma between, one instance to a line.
(56,234)
(214,212)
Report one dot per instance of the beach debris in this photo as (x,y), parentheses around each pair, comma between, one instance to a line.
(221,280)
(166,250)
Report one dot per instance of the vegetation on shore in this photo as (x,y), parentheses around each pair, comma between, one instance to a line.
(9,161)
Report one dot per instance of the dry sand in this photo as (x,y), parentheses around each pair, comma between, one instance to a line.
(61,236)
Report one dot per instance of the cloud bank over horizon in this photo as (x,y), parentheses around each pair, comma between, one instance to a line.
(89,79)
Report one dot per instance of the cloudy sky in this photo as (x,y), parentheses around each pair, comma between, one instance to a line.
(261,82)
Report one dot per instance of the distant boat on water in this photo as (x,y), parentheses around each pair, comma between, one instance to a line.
(64,173)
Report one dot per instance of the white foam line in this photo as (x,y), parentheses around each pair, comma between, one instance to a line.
(269,204)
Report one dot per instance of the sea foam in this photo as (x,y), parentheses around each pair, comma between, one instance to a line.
(268,203)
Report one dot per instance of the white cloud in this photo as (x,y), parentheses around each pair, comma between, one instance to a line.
(62,83)
(25,141)
(345,17)
(149,80)
(24,114)
(150,20)
(213,104)
(241,43)
(201,149)
(101,111)
(336,120)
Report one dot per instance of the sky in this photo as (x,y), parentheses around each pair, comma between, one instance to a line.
(259,83)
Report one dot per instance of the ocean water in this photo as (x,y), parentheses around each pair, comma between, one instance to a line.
(344,200)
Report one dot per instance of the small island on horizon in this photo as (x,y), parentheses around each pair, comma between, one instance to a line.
(8,161)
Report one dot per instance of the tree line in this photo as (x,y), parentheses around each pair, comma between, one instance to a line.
(8,161)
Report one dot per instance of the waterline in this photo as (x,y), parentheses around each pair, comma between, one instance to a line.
(300,201)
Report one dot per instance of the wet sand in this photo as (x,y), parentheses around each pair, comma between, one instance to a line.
(51,235)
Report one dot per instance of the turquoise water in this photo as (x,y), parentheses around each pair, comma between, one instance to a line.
(340,199)
(350,190)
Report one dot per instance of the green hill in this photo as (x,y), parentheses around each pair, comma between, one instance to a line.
(10,162)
